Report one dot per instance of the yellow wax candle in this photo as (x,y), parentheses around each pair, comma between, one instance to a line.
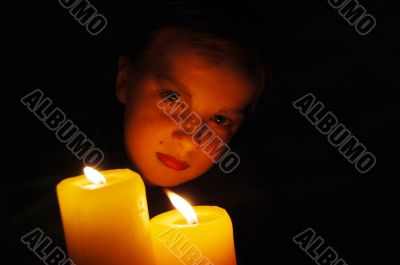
(106,221)
(208,241)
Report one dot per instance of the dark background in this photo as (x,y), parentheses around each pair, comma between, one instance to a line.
(300,178)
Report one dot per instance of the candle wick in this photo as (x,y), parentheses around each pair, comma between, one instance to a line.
(194,222)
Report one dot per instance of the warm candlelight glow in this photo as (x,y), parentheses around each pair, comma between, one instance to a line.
(183,207)
(105,222)
(94,176)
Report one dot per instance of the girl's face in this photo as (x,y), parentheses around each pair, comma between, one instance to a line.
(164,153)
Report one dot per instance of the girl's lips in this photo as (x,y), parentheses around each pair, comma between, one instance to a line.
(172,162)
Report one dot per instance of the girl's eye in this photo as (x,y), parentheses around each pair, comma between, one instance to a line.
(169,95)
(171,102)
(221,120)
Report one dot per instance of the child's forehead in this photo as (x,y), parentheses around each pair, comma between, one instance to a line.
(181,53)
(182,60)
(192,74)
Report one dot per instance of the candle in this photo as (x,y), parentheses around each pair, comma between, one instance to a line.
(201,235)
(105,218)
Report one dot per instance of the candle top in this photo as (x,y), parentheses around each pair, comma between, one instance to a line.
(205,214)
(112,177)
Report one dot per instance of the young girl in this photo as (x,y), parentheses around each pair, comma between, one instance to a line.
(186,92)
(187,84)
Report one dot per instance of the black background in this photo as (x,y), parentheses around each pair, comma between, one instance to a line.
(307,182)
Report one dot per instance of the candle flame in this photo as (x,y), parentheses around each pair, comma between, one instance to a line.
(183,207)
(94,176)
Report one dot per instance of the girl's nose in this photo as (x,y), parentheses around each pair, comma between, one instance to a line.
(185,140)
